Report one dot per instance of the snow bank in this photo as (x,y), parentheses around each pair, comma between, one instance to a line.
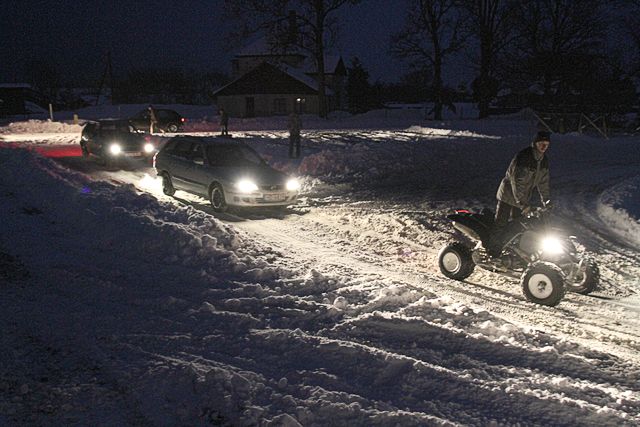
(619,207)
(40,126)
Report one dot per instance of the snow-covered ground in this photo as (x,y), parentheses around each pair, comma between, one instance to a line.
(121,306)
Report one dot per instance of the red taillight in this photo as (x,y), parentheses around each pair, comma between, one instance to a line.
(463,211)
(183,120)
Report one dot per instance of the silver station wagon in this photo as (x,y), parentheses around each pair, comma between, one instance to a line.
(226,172)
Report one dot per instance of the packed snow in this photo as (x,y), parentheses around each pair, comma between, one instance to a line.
(122,306)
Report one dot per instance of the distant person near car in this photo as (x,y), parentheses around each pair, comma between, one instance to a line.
(224,123)
(153,119)
(294,135)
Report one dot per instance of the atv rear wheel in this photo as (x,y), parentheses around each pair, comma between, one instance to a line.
(543,284)
(586,279)
(455,261)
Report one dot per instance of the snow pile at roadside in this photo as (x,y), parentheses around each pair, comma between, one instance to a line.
(40,126)
(619,207)
(448,132)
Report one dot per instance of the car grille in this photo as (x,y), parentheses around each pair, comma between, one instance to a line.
(272,187)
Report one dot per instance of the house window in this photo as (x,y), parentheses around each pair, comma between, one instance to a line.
(280,106)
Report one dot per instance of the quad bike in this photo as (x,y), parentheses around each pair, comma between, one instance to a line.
(546,262)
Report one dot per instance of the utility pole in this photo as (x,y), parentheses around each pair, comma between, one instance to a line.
(108,73)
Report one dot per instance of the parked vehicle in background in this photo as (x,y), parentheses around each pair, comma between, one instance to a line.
(110,140)
(226,172)
(168,120)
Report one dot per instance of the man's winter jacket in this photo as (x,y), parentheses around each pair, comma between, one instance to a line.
(527,170)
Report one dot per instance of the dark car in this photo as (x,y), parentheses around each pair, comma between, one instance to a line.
(111,139)
(226,172)
(168,120)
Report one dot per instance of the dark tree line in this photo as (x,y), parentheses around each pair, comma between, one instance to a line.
(547,54)
(552,53)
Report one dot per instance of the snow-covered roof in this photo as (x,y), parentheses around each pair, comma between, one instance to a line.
(331,62)
(290,71)
(261,47)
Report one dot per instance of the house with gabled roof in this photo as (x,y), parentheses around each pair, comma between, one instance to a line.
(268,83)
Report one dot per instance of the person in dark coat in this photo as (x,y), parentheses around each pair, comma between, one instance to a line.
(224,123)
(294,135)
(153,119)
(528,171)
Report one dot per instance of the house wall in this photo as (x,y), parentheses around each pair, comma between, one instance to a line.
(265,104)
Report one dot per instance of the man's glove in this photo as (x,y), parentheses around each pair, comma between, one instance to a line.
(526,209)
(548,204)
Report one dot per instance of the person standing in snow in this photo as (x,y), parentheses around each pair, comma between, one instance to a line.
(294,135)
(224,123)
(153,119)
(528,170)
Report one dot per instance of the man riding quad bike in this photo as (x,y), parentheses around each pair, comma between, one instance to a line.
(518,241)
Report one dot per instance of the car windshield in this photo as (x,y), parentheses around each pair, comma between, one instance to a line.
(233,155)
(113,128)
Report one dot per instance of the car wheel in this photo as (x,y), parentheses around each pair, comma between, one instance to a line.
(218,202)
(85,150)
(167,185)
(455,261)
(543,284)
(172,127)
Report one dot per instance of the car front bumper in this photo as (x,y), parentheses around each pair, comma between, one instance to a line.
(282,198)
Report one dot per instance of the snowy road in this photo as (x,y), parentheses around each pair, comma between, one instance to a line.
(358,241)
(346,286)
(355,239)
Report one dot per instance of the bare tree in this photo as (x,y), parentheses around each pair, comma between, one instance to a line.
(557,36)
(491,23)
(431,33)
(309,25)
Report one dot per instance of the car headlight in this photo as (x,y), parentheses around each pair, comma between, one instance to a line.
(115,149)
(552,245)
(149,148)
(293,184)
(246,186)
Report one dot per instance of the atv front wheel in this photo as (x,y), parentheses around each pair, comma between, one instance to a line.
(455,261)
(586,280)
(543,284)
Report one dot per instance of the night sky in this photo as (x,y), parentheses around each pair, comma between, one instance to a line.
(75,35)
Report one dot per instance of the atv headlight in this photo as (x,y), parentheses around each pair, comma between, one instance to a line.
(246,186)
(293,184)
(149,148)
(115,149)
(551,245)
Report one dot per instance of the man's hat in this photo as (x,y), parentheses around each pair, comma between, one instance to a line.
(542,135)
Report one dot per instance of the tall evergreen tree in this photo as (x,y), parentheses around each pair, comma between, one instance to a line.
(359,90)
